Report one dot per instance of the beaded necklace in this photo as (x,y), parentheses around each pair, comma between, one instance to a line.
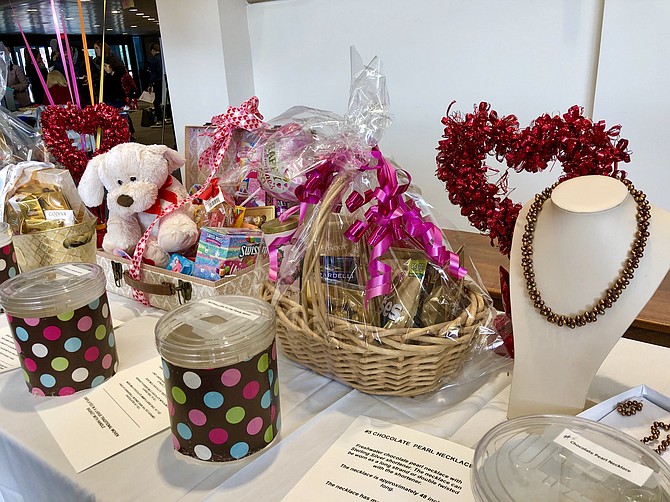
(611,295)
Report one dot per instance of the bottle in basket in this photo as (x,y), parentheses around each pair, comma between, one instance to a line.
(343,271)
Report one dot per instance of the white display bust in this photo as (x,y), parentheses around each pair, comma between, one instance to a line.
(582,238)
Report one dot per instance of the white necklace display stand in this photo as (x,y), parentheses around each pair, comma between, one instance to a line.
(581,241)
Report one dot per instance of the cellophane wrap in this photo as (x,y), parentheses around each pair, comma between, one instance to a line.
(368,291)
(18,141)
(49,221)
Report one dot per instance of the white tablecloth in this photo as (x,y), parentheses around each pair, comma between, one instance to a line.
(315,411)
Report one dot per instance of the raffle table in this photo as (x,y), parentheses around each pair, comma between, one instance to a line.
(315,411)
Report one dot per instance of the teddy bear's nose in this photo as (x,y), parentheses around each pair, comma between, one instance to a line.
(124,200)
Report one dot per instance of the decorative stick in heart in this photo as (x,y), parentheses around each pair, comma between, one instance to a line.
(58,120)
(580,145)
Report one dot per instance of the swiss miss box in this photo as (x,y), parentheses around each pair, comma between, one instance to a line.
(62,327)
(220,367)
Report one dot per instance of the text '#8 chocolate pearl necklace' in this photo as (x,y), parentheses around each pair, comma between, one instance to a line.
(612,294)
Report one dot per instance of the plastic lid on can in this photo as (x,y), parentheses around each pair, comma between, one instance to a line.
(275,225)
(215,332)
(5,234)
(543,457)
(52,290)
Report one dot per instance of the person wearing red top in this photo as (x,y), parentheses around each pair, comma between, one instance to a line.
(57,88)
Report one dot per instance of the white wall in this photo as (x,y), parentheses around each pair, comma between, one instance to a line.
(525,57)
(634,88)
(207,58)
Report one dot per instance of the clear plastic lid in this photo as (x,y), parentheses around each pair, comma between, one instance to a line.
(215,332)
(557,457)
(5,234)
(52,290)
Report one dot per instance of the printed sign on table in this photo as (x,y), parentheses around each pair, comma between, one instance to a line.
(377,461)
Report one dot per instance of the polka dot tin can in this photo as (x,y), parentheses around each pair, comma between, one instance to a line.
(8,266)
(220,367)
(62,327)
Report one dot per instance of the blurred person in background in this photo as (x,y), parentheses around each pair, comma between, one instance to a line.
(17,81)
(33,76)
(156,82)
(57,88)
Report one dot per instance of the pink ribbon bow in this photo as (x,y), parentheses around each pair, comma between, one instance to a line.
(394,219)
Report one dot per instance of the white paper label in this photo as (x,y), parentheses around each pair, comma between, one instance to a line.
(214,201)
(378,461)
(9,359)
(73,270)
(230,309)
(67,215)
(603,458)
(124,410)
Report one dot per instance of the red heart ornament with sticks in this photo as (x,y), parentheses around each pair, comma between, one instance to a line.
(580,145)
(57,121)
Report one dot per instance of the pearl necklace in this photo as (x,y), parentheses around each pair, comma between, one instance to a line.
(612,294)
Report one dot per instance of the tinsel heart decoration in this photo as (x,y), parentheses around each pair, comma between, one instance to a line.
(580,145)
(58,120)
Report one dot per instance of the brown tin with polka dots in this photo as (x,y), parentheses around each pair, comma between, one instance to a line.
(62,327)
(220,368)
(8,266)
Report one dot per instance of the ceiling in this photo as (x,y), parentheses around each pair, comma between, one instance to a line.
(124,17)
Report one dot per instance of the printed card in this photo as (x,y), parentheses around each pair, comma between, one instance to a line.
(378,461)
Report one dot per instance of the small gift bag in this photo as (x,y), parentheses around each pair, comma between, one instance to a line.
(50,223)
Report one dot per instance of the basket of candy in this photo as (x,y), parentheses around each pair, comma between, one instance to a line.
(366,288)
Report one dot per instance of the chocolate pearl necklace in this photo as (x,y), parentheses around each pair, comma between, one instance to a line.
(612,294)
(655,434)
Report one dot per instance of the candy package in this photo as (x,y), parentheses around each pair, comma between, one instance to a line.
(223,252)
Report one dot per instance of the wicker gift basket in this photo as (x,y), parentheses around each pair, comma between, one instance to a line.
(376,360)
(378,310)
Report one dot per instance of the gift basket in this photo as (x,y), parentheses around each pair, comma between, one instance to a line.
(405,343)
(365,287)
(49,222)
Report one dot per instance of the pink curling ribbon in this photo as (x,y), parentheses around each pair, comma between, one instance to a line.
(319,178)
(246,116)
(70,66)
(63,56)
(394,219)
(32,58)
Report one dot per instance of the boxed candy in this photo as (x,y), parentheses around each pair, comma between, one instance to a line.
(224,251)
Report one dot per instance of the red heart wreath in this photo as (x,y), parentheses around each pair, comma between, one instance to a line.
(579,144)
(58,120)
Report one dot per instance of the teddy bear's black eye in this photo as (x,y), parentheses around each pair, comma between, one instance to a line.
(120,182)
(133,178)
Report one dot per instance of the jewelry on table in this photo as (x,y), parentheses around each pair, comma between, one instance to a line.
(630,407)
(609,297)
(655,434)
